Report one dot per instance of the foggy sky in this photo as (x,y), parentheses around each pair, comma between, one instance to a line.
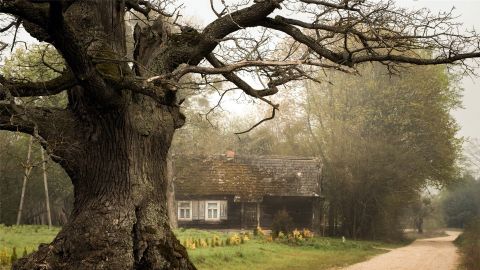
(468,118)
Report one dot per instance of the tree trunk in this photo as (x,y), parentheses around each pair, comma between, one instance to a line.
(114,148)
(45,186)
(28,169)
(120,220)
(172,210)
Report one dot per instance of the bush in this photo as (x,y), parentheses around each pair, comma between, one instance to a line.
(469,243)
(14,256)
(282,223)
(4,258)
(235,239)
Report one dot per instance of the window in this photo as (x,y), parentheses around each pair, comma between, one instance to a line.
(184,210)
(212,210)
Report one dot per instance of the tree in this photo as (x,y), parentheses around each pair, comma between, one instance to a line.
(113,137)
(461,204)
(383,140)
(12,168)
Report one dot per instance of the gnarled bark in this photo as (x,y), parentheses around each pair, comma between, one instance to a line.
(119,173)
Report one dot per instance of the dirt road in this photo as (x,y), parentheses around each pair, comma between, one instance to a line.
(426,254)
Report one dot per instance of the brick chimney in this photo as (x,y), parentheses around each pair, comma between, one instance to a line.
(230,154)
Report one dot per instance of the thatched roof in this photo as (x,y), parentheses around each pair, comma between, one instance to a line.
(249,178)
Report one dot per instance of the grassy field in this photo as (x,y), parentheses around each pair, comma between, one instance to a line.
(256,253)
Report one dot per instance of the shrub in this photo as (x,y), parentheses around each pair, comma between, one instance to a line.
(282,222)
(216,241)
(469,243)
(235,239)
(307,234)
(297,235)
(14,255)
(203,243)
(4,258)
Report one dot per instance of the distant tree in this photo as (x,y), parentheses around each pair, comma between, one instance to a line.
(462,204)
(421,209)
(383,139)
(30,64)
(113,137)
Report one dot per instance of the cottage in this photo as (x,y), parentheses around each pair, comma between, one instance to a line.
(232,191)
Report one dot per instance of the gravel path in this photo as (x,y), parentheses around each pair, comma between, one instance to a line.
(426,254)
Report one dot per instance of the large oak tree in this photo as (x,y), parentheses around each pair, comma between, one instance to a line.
(122,83)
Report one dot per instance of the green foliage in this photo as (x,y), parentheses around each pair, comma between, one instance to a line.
(462,203)
(383,139)
(29,65)
(469,242)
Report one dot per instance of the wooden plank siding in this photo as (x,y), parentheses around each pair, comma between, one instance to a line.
(300,209)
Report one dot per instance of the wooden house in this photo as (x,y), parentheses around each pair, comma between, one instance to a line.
(232,191)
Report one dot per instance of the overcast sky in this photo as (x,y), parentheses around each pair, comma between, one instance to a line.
(469,12)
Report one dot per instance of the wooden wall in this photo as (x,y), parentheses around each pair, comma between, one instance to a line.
(299,208)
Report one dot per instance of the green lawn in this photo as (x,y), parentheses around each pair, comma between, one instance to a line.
(318,253)
(28,236)
(256,253)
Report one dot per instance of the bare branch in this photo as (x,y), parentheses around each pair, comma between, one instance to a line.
(243,64)
(259,123)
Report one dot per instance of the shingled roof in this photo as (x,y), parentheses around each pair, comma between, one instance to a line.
(249,178)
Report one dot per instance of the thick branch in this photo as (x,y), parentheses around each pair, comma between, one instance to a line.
(231,22)
(162,91)
(247,17)
(145,7)
(299,36)
(31,89)
(35,13)
(49,123)
(232,77)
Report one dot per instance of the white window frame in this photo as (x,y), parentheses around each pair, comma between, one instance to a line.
(183,208)
(218,211)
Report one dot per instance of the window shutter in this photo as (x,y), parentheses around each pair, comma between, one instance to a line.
(223,210)
(194,210)
(201,210)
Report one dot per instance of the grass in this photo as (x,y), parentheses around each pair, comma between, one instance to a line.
(469,245)
(22,238)
(25,236)
(257,253)
(317,253)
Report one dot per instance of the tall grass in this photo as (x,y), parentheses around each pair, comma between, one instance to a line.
(469,243)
